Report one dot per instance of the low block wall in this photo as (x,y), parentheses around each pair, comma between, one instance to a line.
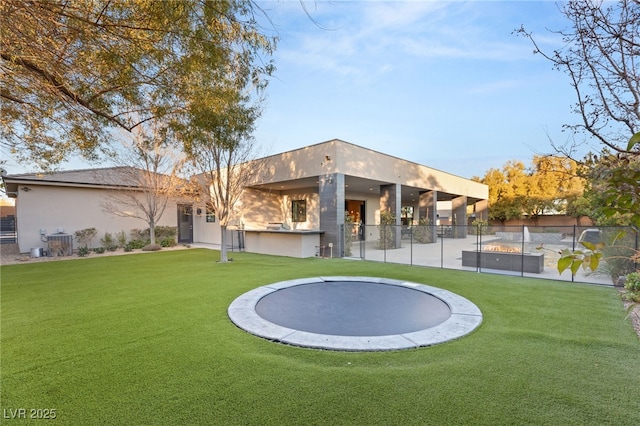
(527,262)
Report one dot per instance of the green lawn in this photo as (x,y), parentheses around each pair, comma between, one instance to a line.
(145,339)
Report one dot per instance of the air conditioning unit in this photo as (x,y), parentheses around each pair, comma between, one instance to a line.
(60,244)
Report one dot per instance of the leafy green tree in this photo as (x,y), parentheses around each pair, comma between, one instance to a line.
(612,194)
(622,197)
(579,206)
(223,153)
(551,182)
(505,209)
(503,186)
(546,186)
(73,71)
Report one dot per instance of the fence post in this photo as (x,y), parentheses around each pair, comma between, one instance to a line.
(384,241)
(411,243)
(478,248)
(573,247)
(635,264)
(522,252)
(442,247)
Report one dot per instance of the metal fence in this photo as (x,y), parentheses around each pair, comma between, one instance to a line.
(8,230)
(529,251)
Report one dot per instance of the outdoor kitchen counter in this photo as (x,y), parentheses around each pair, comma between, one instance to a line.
(282,242)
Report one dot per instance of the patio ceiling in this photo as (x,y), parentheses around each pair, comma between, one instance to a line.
(354,185)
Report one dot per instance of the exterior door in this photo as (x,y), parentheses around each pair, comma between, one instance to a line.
(185,223)
(356,210)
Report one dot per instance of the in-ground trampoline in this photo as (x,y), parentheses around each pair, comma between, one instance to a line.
(354,313)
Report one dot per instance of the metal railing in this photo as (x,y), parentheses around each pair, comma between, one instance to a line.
(8,233)
(531,251)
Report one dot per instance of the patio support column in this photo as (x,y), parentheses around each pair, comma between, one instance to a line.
(331,197)
(428,211)
(482,210)
(391,200)
(459,213)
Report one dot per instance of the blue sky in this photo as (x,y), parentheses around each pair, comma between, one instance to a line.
(445,84)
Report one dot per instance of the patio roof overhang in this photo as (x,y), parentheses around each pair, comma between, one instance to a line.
(357,185)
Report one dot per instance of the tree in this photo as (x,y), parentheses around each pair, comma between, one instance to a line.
(614,188)
(549,185)
(151,171)
(599,54)
(544,187)
(578,207)
(614,196)
(503,185)
(72,71)
(225,155)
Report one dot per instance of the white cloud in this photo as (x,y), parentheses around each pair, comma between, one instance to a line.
(374,36)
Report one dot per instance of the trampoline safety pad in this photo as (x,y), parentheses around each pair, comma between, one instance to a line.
(354,313)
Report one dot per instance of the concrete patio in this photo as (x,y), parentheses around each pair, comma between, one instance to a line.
(447,253)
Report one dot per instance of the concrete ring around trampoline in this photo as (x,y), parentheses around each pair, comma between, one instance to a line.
(354,313)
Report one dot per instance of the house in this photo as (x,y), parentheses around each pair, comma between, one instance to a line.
(54,205)
(299,204)
(306,195)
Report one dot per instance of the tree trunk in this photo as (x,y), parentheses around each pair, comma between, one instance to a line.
(152,233)
(223,244)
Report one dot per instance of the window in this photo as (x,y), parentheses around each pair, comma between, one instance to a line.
(299,211)
(211,216)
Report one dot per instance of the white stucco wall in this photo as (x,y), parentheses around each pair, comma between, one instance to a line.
(259,208)
(203,231)
(342,157)
(72,209)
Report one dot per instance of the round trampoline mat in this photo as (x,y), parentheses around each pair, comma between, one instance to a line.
(354,313)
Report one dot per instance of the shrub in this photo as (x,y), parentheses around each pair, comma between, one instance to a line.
(632,286)
(122,238)
(139,234)
(84,236)
(168,242)
(99,250)
(163,232)
(107,239)
(423,232)
(479,226)
(137,244)
(349,227)
(151,247)
(108,242)
(83,251)
(388,230)
(128,247)
(617,261)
